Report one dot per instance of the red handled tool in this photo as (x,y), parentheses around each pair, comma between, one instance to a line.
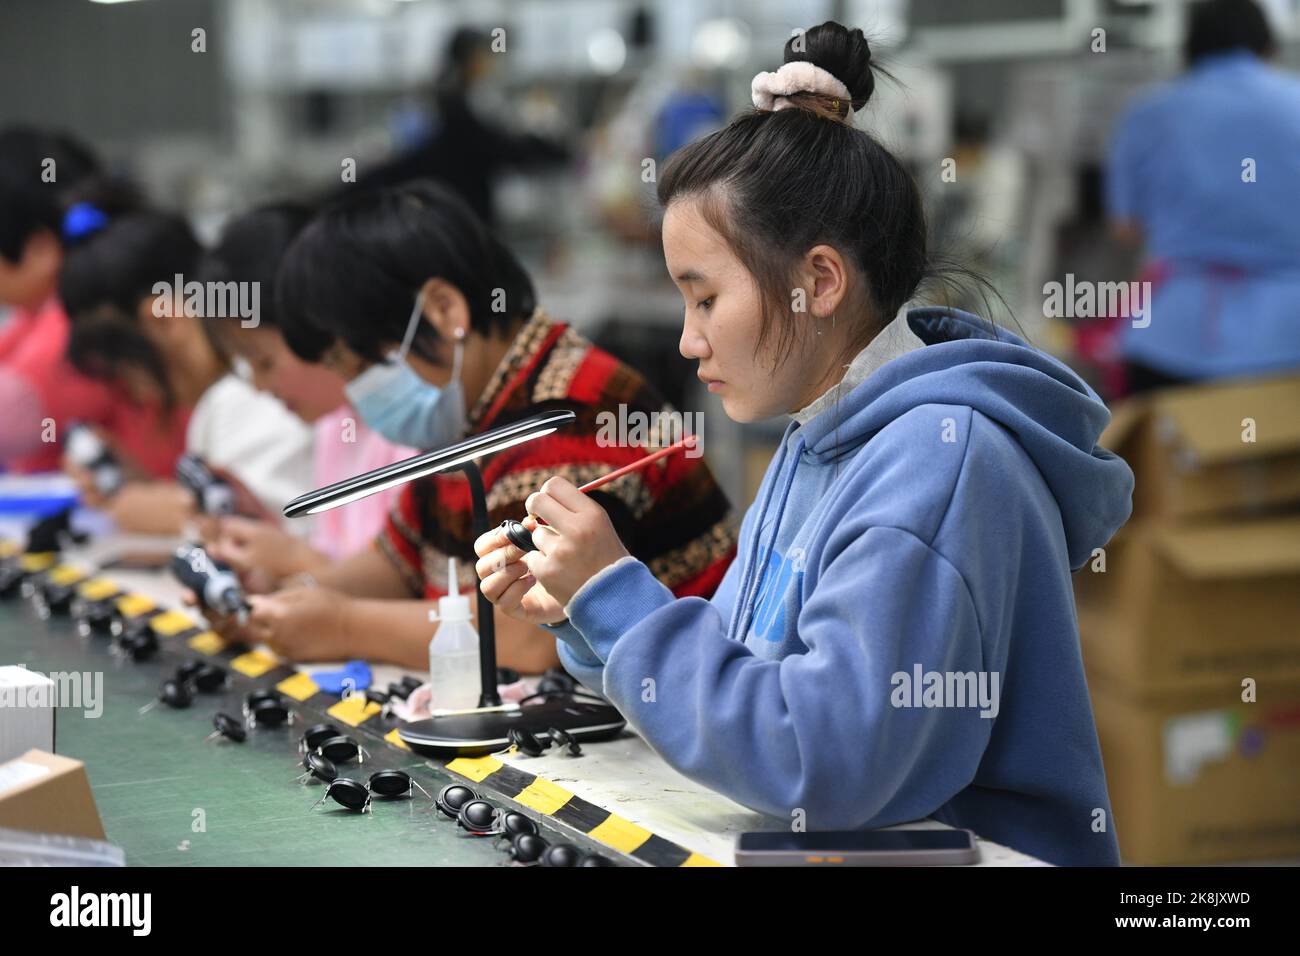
(522,538)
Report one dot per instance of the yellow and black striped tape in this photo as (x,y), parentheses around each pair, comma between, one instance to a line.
(545,797)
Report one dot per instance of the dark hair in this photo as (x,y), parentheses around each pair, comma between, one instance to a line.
(775,184)
(250,249)
(1217,26)
(28,203)
(105,277)
(458,55)
(354,271)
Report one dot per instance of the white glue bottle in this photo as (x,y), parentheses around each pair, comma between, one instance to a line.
(453,652)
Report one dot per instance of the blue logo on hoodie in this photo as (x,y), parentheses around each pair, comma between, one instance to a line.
(781,575)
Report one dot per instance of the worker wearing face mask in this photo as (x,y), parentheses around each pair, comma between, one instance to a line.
(435,327)
(395,401)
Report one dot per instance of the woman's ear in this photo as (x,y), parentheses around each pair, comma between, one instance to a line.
(155,316)
(42,253)
(445,309)
(827,278)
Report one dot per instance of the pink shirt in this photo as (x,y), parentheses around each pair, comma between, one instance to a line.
(38,384)
(345,447)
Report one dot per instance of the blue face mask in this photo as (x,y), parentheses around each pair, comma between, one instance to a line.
(392,399)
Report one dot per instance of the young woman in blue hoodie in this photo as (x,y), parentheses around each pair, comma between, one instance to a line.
(897,638)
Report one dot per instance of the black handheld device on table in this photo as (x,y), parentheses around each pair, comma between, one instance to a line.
(213,583)
(86,450)
(857,848)
(211,495)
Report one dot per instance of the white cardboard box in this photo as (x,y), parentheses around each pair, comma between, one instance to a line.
(27,702)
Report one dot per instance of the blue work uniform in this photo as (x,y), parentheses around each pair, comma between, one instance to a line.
(1209,167)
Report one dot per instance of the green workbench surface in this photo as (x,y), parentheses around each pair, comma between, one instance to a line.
(153,775)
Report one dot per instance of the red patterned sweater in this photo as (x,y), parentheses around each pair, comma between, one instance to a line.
(671,515)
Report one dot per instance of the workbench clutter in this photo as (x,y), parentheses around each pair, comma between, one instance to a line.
(46,793)
(283,708)
(192,677)
(480,817)
(463,729)
(27,701)
(1188,625)
(352,795)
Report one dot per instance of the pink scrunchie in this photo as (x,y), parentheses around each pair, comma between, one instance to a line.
(769,90)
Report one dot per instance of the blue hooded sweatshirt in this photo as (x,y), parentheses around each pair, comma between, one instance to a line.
(897,638)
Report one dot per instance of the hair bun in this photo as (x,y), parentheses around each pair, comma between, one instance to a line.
(842,52)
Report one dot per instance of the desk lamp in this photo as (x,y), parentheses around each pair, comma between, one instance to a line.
(485,728)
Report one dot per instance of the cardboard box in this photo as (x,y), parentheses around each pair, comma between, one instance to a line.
(46,793)
(1225,448)
(27,703)
(1203,778)
(1181,608)
(1200,592)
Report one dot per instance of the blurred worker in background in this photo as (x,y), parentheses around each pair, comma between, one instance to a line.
(249,252)
(40,392)
(132,327)
(465,150)
(1204,173)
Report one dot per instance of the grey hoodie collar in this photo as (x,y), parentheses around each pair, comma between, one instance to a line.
(895,339)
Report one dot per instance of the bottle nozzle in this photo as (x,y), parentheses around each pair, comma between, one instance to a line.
(453,606)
